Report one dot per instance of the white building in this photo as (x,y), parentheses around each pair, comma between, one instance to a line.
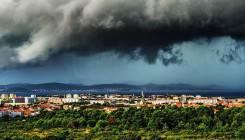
(142,94)
(183,98)
(164,101)
(3,113)
(11,114)
(203,101)
(16,114)
(71,100)
(30,100)
(4,96)
(76,96)
(12,95)
(33,96)
(97,101)
(68,96)
(198,96)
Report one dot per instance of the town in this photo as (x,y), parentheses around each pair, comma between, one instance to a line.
(18,106)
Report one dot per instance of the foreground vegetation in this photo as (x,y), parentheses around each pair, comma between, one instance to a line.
(132,123)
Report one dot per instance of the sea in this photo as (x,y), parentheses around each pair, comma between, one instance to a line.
(207,93)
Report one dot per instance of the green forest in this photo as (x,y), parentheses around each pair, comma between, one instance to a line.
(129,124)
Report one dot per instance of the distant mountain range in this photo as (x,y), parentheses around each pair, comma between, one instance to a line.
(63,86)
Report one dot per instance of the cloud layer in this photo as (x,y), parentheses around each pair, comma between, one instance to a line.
(33,31)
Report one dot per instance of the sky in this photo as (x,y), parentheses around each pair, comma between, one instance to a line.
(118,41)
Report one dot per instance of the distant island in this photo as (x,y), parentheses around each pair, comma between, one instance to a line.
(64,86)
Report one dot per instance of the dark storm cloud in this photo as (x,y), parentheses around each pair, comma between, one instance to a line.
(232,54)
(32,31)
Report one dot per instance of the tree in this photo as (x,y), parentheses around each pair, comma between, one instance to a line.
(91,123)
(202,127)
(101,124)
(82,122)
(241,132)
(73,124)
